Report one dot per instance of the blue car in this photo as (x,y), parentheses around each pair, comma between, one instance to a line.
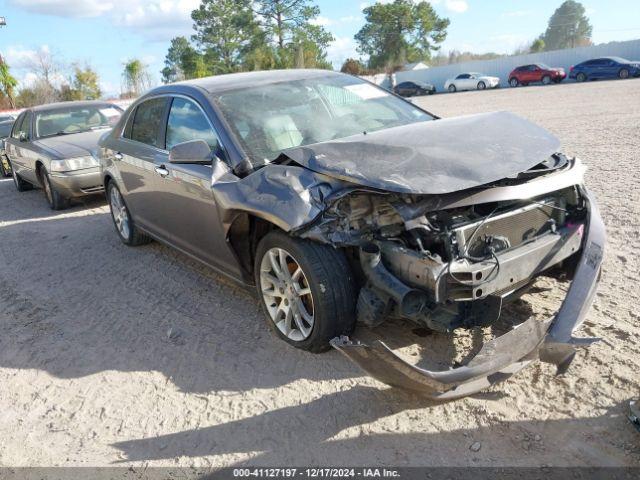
(606,67)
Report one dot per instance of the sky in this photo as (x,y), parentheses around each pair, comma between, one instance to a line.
(105,33)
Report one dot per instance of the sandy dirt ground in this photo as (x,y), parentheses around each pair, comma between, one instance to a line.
(117,356)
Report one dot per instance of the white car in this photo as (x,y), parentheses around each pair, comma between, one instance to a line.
(471,81)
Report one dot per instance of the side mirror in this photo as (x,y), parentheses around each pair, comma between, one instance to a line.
(194,151)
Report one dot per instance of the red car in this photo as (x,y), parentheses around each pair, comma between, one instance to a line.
(537,72)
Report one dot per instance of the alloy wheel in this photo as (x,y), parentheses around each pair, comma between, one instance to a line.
(119,213)
(286,294)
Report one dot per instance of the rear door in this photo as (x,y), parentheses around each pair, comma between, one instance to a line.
(139,150)
(183,197)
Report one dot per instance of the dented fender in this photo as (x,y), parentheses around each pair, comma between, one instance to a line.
(288,196)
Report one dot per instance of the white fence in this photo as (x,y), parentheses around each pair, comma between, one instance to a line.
(501,67)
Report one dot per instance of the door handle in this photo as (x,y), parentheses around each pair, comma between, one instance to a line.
(162,171)
(118,156)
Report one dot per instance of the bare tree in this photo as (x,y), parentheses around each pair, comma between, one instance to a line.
(45,66)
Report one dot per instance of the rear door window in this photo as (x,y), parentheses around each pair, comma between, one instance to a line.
(147,121)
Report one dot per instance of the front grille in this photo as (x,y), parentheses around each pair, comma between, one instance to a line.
(516,226)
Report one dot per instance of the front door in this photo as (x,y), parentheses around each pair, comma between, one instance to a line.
(188,217)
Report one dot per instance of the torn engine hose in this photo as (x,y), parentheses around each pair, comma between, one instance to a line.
(410,301)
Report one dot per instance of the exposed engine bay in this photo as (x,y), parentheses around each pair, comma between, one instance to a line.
(451,268)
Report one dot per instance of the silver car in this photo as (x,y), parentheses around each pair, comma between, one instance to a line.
(54,146)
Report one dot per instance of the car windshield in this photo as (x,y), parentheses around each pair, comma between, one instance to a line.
(271,118)
(67,120)
(544,66)
(618,59)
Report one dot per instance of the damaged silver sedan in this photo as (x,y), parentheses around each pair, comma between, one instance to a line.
(343,203)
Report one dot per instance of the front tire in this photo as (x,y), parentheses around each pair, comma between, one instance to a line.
(623,74)
(56,200)
(126,228)
(581,77)
(306,290)
(452,89)
(546,80)
(482,85)
(514,82)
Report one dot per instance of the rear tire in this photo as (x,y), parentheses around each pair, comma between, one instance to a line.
(623,74)
(125,227)
(581,77)
(285,267)
(56,200)
(21,185)
(514,82)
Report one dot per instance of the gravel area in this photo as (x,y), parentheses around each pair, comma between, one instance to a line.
(140,356)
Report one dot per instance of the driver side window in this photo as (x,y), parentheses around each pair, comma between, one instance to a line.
(186,123)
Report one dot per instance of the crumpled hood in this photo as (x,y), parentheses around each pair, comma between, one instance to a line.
(434,157)
(74,145)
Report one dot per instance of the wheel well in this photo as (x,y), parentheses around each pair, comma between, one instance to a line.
(244,235)
(107,179)
(39,167)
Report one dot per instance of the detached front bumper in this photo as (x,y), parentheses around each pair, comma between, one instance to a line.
(550,340)
(78,183)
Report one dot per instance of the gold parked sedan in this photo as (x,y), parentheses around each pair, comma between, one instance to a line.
(55,146)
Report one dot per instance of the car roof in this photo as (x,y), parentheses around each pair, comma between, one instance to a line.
(617,59)
(58,105)
(232,81)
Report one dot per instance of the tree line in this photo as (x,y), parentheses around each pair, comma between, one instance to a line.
(244,35)
(405,31)
(52,81)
